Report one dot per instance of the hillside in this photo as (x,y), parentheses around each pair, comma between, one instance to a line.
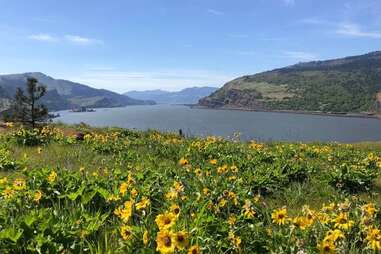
(124,191)
(64,94)
(186,96)
(341,85)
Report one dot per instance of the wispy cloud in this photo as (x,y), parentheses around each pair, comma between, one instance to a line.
(355,30)
(300,55)
(80,40)
(215,12)
(73,39)
(43,37)
(122,81)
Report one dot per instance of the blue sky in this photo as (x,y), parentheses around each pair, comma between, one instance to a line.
(126,45)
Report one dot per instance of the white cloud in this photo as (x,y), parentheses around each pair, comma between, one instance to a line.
(79,40)
(300,55)
(215,12)
(172,80)
(355,30)
(43,37)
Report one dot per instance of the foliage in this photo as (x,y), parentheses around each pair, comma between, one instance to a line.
(341,85)
(163,193)
(26,108)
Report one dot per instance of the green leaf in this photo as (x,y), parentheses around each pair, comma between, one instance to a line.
(11,234)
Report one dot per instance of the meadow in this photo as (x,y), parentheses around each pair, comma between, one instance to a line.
(123,191)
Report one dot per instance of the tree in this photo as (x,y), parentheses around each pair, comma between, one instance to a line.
(26,108)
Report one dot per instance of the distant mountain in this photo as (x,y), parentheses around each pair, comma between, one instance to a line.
(349,84)
(185,96)
(64,94)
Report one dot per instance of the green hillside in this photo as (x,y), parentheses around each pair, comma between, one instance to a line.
(341,85)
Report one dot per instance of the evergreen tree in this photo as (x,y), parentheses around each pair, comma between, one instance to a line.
(26,108)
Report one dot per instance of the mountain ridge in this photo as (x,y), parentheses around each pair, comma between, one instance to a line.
(189,95)
(64,94)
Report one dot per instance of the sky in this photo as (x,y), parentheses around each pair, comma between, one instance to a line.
(124,45)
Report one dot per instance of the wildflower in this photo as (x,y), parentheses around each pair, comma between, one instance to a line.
(222,202)
(234,169)
(39,150)
(323,218)
(134,193)
(113,198)
(126,212)
(206,191)
(302,222)
(145,202)
(374,238)
(130,179)
(195,249)
(183,162)
(328,208)
(52,177)
(223,169)
(327,247)
(213,161)
(180,240)
(175,209)
(198,172)
(165,244)
(334,235)
(369,209)
(179,187)
(232,220)
(123,188)
(8,193)
(165,221)
(19,184)
(236,240)
(233,197)
(342,221)
(37,196)
(145,237)
(279,216)
(3,180)
(171,195)
(126,232)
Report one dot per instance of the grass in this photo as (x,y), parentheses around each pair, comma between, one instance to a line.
(82,188)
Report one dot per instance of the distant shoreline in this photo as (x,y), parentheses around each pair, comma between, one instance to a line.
(352,115)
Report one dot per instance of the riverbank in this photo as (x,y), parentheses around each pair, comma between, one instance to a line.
(353,115)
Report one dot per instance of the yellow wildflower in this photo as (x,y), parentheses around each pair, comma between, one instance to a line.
(373,238)
(52,177)
(145,202)
(165,221)
(343,222)
(279,216)
(19,184)
(8,193)
(126,232)
(180,240)
(145,238)
(165,244)
(37,196)
(195,249)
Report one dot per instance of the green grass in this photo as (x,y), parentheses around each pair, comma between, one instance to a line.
(284,174)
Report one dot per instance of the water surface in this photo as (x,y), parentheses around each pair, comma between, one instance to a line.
(262,126)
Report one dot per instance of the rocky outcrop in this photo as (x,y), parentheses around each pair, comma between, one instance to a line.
(235,98)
